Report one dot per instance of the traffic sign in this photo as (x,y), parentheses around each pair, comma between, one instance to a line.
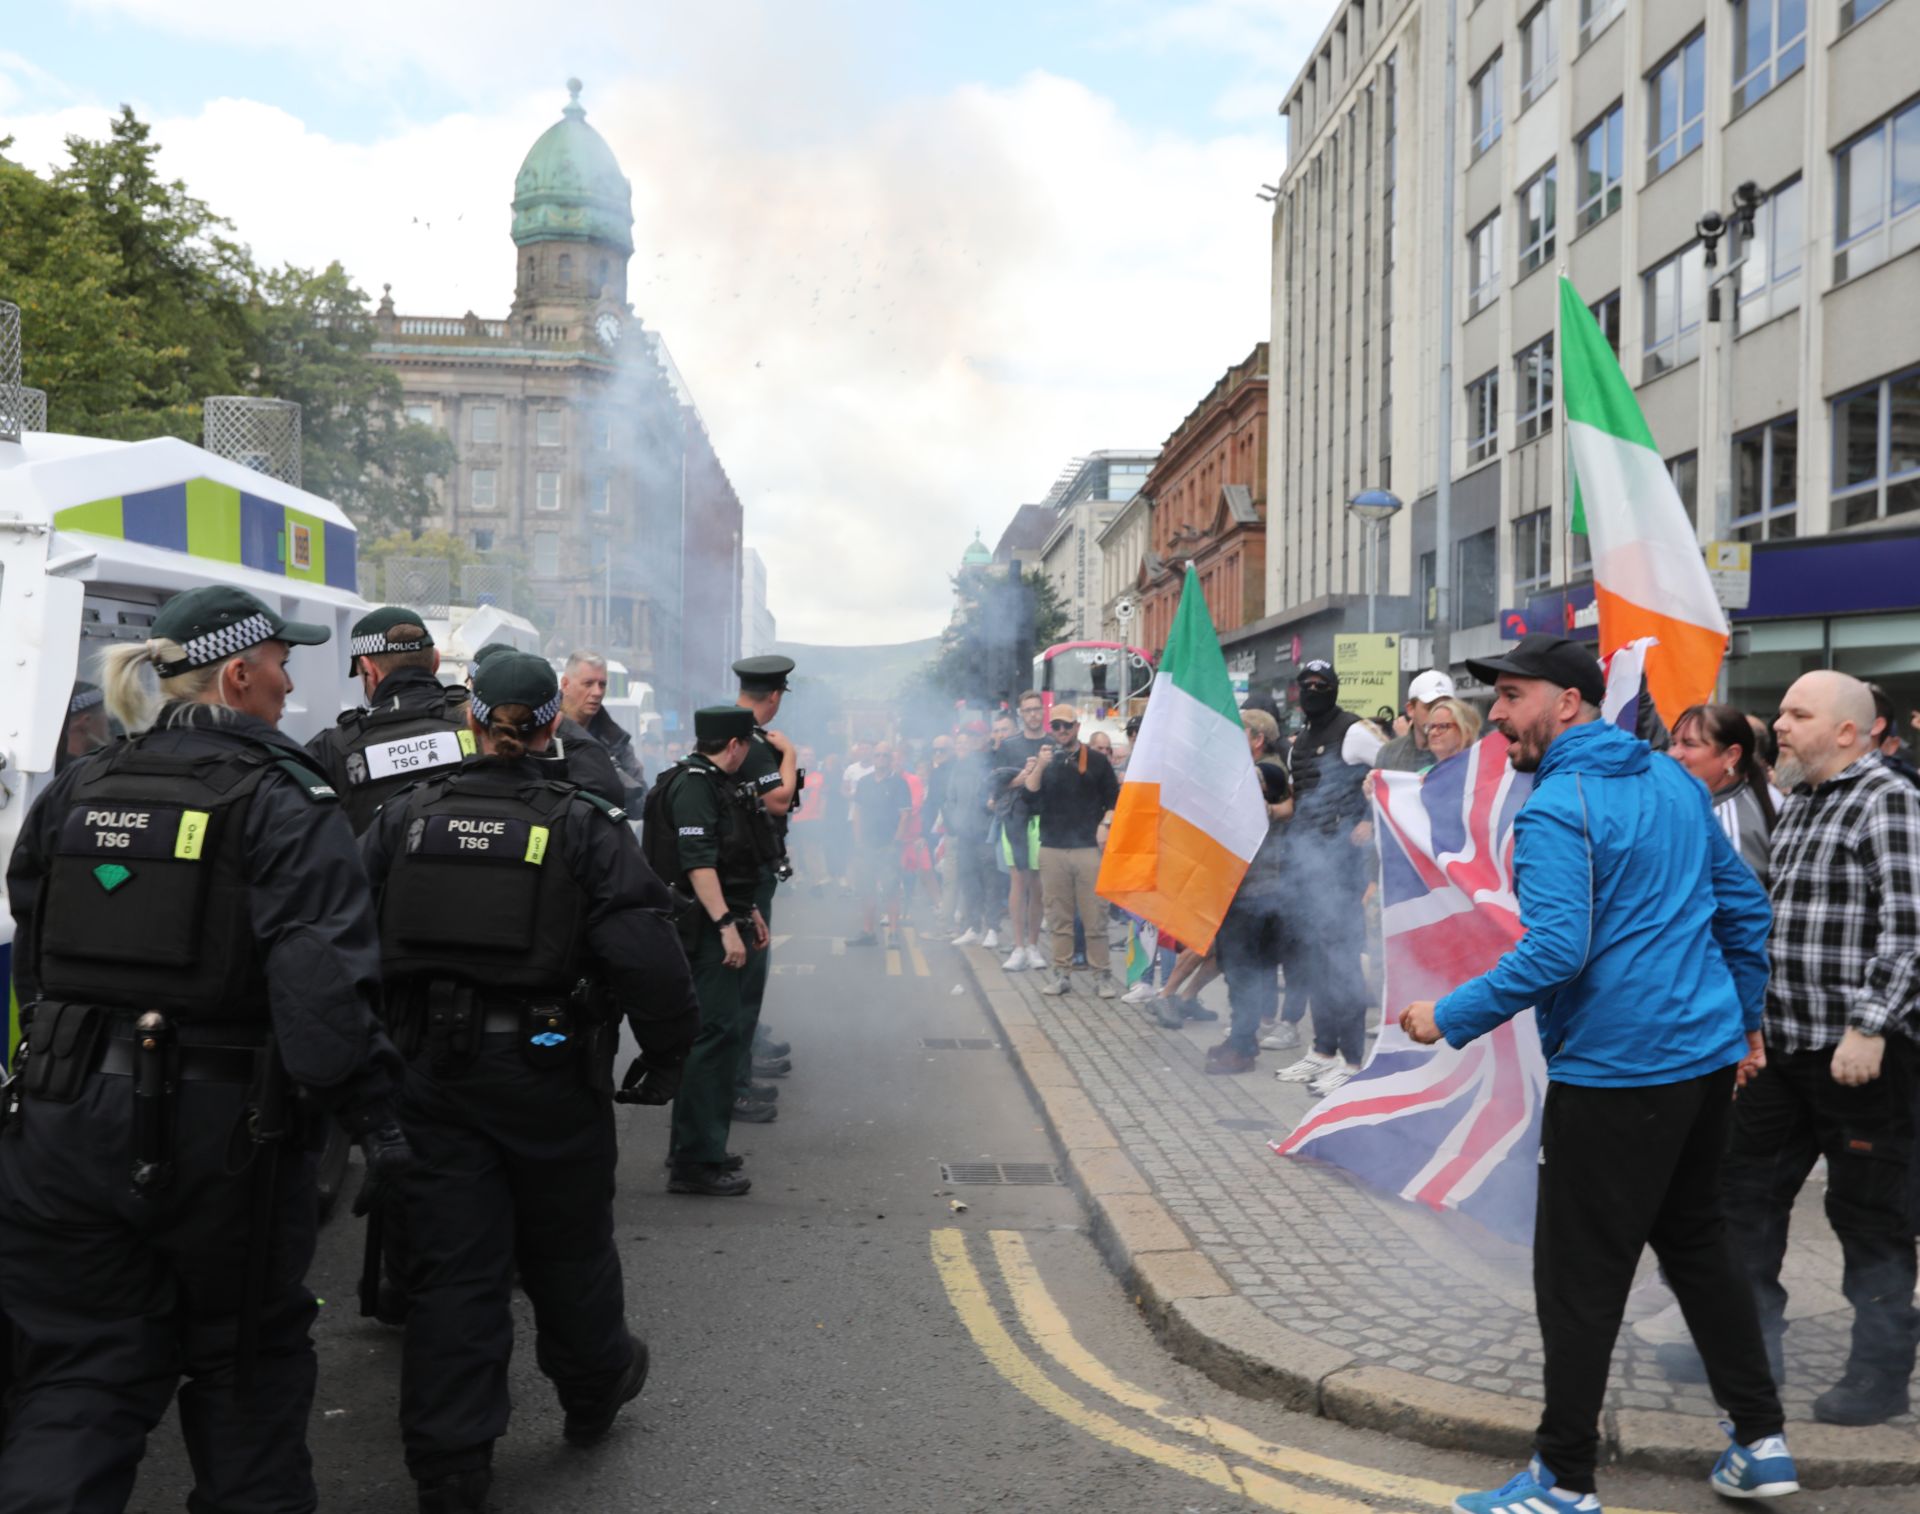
(1730,568)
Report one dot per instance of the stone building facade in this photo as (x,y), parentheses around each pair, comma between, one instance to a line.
(579,449)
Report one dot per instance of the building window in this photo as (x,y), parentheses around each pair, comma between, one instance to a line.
(1483,417)
(1876,450)
(1853,12)
(1597,159)
(1770,273)
(1876,192)
(566,269)
(484,492)
(483,541)
(1425,588)
(1675,296)
(1532,553)
(1538,212)
(1596,16)
(1766,481)
(1676,104)
(600,495)
(546,554)
(1580,557)
(1484,101)
(485,420)
(420,415)
(1606,315)
(1769,46)
(546,428)
(546,491)
(603,433)
(1685,472)
(1533,368)
(1476,578)
(1539,51)
(1483,264)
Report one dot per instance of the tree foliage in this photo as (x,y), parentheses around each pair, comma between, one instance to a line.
(1004,617)
(138,303)
(456,551)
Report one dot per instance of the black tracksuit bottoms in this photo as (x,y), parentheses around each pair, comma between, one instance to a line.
(1622,1169)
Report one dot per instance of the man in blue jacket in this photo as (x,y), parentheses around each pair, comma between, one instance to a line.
(1645,960)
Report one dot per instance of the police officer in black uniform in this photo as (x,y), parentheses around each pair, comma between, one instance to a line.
(584,759)
(500,887)
(194,929)
(701,831)
(412,724)
(772,769)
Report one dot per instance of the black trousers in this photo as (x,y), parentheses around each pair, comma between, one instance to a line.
(1622,1169)
(121,1301)
(1784,1120)
(516,1162)
(1248,947)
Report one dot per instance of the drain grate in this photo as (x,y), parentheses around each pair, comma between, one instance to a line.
(1244,1124)
(997,1174)
(962,1043)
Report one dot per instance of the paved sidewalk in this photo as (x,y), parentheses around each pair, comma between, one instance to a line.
(1289,1280)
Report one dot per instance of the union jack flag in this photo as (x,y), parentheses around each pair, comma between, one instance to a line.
(1450,1129)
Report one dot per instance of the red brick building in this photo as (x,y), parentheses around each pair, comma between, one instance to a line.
(1208,494)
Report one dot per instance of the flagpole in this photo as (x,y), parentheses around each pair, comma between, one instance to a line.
(1443,490)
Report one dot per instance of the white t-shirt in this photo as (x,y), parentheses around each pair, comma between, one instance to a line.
(851,775)
(1360,745)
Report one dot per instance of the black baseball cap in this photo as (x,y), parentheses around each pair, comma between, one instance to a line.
(391,628)
(1556,659)
(516,678)
(219,621)
(1321,669)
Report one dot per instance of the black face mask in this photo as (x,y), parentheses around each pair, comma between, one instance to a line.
(1316,699)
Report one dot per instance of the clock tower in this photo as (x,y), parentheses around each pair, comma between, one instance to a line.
(572,234)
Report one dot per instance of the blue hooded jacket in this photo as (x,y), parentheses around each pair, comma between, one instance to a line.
(1645,952)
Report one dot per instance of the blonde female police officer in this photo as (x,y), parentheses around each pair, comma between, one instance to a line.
(500,887)
(191,920)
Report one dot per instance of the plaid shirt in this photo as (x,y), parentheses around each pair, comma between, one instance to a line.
(1846,909)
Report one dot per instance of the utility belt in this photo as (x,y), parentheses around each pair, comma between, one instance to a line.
(448,1024)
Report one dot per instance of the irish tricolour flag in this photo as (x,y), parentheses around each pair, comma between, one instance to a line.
(1190,815)
(1649,576)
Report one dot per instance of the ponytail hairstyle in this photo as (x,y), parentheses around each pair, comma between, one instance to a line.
(1726,728)
(506,729)
(136,706)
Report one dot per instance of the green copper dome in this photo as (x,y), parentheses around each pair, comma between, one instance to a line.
(570,188)
(977,553)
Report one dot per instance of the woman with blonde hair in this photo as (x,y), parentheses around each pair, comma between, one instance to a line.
(193,932)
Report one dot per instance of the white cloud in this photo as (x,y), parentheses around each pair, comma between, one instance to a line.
(896,334)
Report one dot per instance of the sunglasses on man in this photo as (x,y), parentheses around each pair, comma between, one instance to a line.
(1063,725)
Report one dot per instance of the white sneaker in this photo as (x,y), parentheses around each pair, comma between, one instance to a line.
(991,940)
(1059,983)
(1283,1037)
(1138,994)
(1016,960)
(1334,1077)
(1309,1067)
(967,937)
(1038,960)
(1105,988)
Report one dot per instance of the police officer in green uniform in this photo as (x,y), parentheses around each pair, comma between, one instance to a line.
(772,769)
(412,724)
(194,930)
(501,887)
(701,832)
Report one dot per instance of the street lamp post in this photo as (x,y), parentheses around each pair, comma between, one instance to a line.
(1376,507)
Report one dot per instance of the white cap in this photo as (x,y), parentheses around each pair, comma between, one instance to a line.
(1430,686)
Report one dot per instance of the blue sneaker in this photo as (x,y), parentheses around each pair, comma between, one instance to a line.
(1530,1492)
(1762,1470)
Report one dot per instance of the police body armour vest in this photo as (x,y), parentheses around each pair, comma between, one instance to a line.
(387,750)
(146,901)
(479,891)
(740,860)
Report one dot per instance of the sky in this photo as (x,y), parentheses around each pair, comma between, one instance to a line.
(911,257)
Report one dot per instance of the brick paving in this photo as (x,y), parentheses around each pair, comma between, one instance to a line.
(1391,1282)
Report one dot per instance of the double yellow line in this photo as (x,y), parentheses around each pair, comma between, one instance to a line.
(1233,1459)
(918,958)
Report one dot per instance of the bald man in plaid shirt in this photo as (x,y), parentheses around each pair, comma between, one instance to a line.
(1838,1073)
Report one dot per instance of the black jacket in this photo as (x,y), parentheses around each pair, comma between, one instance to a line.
(310,909)
(411,691)
(626,761)
(589,764)
(632,947)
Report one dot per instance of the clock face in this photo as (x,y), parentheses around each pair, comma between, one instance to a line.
(607,328)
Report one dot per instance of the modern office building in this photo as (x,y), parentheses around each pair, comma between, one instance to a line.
(1084,500)
(1591,137)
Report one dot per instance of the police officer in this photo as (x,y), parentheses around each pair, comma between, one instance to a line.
(584,759)
(500,887)
(772,768)
(701,831)
(193,928)
(412,724)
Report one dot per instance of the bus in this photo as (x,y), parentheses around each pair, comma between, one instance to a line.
(1086,675)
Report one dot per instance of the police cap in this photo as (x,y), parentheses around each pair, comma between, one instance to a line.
(763,675)
(219,621)
(491,649)
(516,678)
(391,628)
(723,722)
